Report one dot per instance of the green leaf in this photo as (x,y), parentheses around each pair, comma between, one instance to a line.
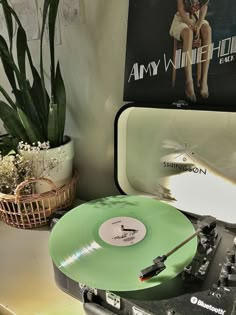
(51,23)
(33,133)
(8,19)
(33,70)
(11,68)
(23,97)
(60,99)
(19,99)
(36,92)
(8,144)
(7,97)
(21,47)
(20,25)
(8,63)
(53,133)
(45,11)
(12,122)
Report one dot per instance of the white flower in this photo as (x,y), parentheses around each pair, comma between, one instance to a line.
(13,170)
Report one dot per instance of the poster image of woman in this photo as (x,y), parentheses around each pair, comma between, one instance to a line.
(181,50)
(189,24)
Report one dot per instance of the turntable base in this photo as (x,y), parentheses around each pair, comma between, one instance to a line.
(207,286)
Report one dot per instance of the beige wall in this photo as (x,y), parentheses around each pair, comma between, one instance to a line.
(95,73)
(92,56)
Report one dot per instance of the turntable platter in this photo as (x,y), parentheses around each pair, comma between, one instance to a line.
(106,242)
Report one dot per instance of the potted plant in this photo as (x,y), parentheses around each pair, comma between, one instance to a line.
(31,114)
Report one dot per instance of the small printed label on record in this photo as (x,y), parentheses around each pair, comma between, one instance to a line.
(113,300)
(137,311)
(122,231)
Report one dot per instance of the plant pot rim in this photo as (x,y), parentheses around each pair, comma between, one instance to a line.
(66,139)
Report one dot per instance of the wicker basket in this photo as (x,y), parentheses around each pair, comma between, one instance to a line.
(30,211)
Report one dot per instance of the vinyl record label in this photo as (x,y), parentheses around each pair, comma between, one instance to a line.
(122,231)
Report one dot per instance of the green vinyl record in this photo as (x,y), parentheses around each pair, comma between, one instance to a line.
(105,243)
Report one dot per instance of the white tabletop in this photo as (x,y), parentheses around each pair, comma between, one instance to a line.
(27,285)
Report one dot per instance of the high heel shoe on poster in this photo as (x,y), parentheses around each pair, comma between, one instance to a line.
(204,91)
(189,91)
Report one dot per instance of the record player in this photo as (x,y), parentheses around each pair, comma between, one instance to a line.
(176,173)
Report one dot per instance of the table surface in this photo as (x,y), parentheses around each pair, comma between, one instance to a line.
(27,285)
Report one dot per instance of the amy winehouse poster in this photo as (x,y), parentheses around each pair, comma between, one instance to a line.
(181,49)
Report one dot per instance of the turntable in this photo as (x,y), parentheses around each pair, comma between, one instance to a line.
(167,244)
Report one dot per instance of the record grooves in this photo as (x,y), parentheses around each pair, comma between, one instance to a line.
(105,243)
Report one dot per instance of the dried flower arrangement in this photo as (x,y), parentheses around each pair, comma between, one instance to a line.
(16,168)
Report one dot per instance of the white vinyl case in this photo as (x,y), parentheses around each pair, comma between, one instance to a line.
(186,158)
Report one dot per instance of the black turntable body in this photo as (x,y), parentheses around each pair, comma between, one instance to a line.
(207,286)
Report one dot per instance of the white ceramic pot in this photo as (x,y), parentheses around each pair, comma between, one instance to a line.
(55,164)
